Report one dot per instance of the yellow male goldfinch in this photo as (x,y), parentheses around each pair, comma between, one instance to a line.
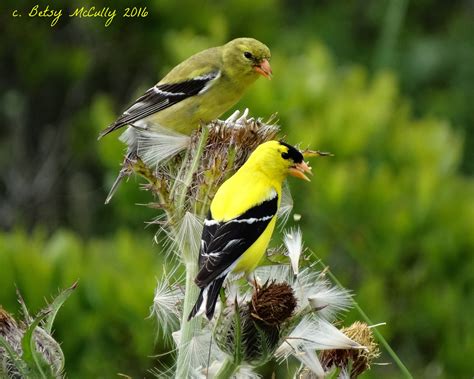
(242,217)
(199,89)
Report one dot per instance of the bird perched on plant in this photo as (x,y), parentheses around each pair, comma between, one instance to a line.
(197,90)
(242,217)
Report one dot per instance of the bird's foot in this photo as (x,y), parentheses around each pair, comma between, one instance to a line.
(238,119)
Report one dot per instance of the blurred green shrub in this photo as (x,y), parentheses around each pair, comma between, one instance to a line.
(103,327)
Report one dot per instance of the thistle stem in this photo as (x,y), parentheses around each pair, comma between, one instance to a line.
(191,262)
(192,169)
(187,327)
(228,368)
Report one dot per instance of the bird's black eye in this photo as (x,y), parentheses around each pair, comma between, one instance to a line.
(285,155)
(248,55)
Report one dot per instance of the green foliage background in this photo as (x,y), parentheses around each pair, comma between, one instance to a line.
(384,85)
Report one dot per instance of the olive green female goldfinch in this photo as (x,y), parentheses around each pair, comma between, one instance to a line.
(200,89)
(242,218)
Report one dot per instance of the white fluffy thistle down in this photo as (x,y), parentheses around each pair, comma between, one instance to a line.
(286,205)
(160,144)
(313,333)
(310,361)
(344,373)
(187,237)
(293,241)
(237,119)
(313,289)
(244,372)
(329,301)
(196,350)
(166,304)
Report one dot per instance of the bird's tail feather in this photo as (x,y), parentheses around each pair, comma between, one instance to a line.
(207,299)
(212,296)
(112,127)
(197,307)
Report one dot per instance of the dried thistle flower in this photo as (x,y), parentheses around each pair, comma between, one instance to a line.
(254,327)
(357,360)
(273,303)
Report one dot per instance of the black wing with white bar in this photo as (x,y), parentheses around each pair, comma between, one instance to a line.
(161,97)
(224,242)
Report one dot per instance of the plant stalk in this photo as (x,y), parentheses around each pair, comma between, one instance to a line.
(193,168)
(187,327)
(191,263)
(228,368)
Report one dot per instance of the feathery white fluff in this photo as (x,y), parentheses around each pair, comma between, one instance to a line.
(330,301)
(279,273)
(293,241)
(165,304)
(188,236)
(160,144)
(197,350)
(286,205)
(310,360)
(313,333)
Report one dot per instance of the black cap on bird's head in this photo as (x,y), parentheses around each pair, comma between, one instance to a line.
(299,167)
(293,153)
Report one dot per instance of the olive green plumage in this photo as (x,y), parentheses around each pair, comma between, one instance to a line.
(197,90)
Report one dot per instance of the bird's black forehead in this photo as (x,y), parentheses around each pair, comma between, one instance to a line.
(293,153)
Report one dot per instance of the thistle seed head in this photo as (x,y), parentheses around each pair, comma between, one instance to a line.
(273,303)
(253,328)
(359,359)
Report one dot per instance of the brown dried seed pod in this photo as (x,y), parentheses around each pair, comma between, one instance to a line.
(273,303)
(360,358)
(259,322)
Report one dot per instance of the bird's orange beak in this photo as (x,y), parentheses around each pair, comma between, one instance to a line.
(264,69)
(298,170)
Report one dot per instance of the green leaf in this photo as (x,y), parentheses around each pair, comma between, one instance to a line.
(24,309)
(33,359)
(55,305)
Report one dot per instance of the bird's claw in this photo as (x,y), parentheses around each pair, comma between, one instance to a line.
(237,119)
(231,119)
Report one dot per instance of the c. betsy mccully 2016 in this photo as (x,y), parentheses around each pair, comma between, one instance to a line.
(56,14)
